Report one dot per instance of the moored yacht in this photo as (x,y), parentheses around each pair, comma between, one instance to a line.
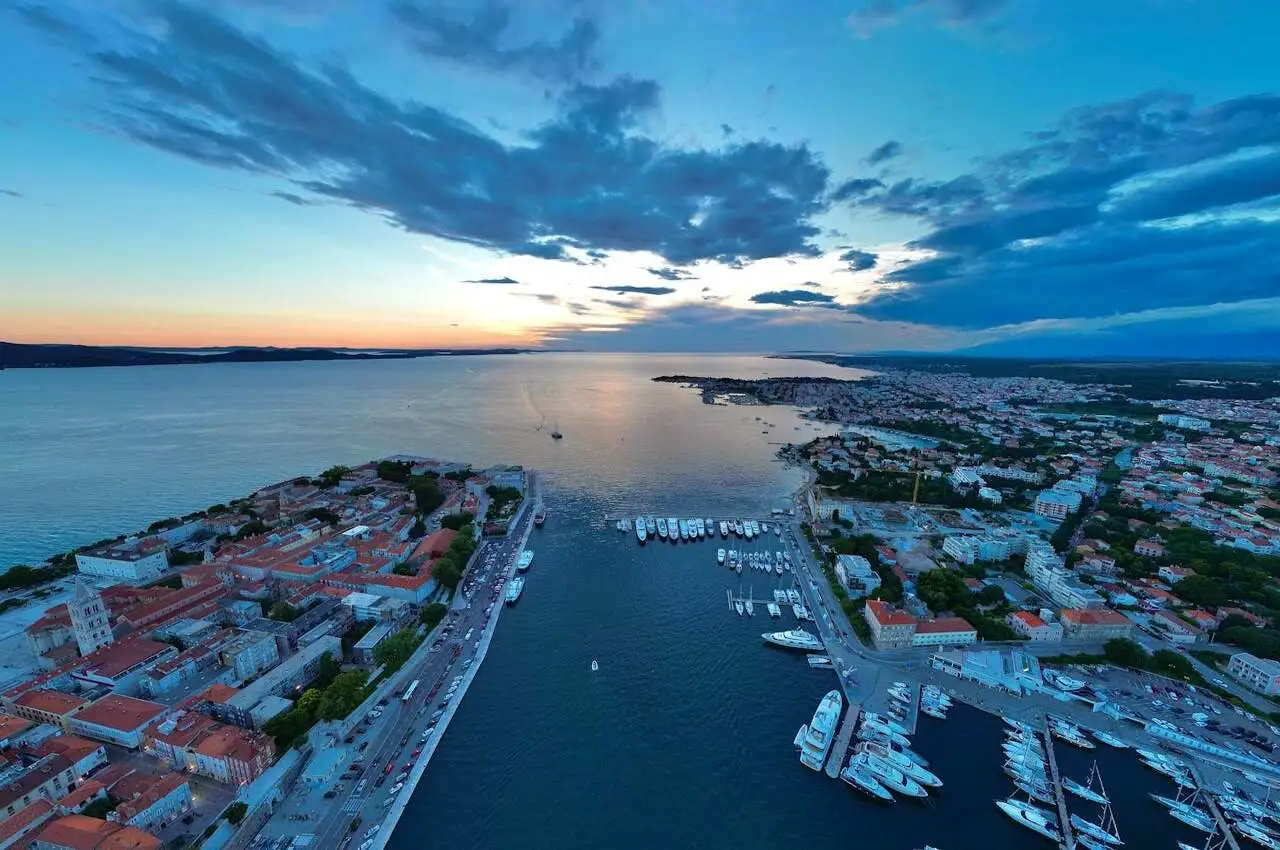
(1088,827)
(673,528)
(747,530)
(641,533)
(822,729)
(864,780)
(794,639)
(1108,739)
(720,557)
(891,777)
(1258,834)
(1032,817)
(526,558)
(651,526)
(662,528)
(1084,792)
(724,528)
(683,526)
(514,588)
(901,762)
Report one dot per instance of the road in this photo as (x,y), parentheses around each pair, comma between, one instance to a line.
(392,738)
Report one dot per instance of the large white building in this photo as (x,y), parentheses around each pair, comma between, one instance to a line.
(90,620)
(972,548)
(856,574)
(249,653)
(1178,420)
(132,561)
(1057,503)
(1261,674)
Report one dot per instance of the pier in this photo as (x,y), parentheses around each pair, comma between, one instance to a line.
(840,749)
(1224,826)
(1064,817)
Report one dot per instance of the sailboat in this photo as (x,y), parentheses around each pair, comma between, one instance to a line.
(1104,830)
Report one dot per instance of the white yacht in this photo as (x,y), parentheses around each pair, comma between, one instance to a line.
(651,526)
(822,731)
(751,608)
(662,527)
(794,639)
(1088,827)
(673,528)
(1108,739)
(724,528)
(889,776)
(1258,834)
(746,529)
(526,559)
(683,526)
(737,603)
(801,612)
(872,717)
(901,762)
(1070,734)
(774,610)
(1032,817)
(1036,790)
(641,533)
(514,588)
(864,780)
(720,553)
(878,732)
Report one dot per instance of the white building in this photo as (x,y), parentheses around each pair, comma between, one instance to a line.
(1057,503)
(964,477)
(856,574)
(249,653)
(1261,674)
(134,562)
(89,619)
(1034,627)
(989,495)
(1178,420)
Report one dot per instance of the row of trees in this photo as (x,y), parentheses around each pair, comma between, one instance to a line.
(332,696)
(393,652)
(453,563)
(1127,653)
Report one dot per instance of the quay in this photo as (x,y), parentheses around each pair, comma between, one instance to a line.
(1064,817)
(840,750)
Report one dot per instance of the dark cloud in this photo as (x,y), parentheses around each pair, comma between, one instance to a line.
(859,261)
(669,273)
(871,15)
(578,309)
(481,37)
(296,200)
(627,304)
(193,85)
(544,297)
(792,297)
(10,193)
(496,281)
(884,153)
(637,290)
(858,187)
(726,130)
(1141,204)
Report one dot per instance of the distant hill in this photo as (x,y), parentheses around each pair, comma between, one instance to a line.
(1182,344)
(23,356)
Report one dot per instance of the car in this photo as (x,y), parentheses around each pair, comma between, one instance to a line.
(377,783)
(350,739)
(330,794)
(383,701)
(348,775)
(395,789)
(364,745)
(416,752)
(1219,681)
(373,830)
(357,765)
(366,844)
(361,786)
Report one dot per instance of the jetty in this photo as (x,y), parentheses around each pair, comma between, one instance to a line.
(840,749)
(1224,826)
(1064,817)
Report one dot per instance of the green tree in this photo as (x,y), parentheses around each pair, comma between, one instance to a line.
(251,529)
(235,813)
(333,475)
(344,694)
(284,612)
(403,570)
(990,595)
(325,515)
(100,808)
(457,521)
(432,614)
(396,471)
(395,650)
(1172,664)
(1123,652)
(419,529)
(426,493)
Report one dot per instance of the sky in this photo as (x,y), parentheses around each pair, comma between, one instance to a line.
(643,175)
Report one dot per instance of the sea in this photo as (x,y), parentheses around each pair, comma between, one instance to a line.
(683,736)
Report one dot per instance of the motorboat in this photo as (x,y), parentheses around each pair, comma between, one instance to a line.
(683,526)
(651,526)
(794,639)
(872,731)
(775,611)
(710,526)
(526,560)
(1063,682)
(750,606)
(1108,739)
(514,588)
(724,528)
(673,528)
(720,556)
(822,729)
(1032,817)
(1084,792)
(860,777)
(896,727)
(890,777)
(641,533)
(920,774)
(737,604)
(661,522)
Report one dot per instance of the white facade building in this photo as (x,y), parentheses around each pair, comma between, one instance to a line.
(90,620)
(856,574)
(1261,674)
(136,562)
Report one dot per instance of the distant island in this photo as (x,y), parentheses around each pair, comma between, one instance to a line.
(26,356)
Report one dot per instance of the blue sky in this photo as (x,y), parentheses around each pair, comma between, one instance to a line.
(738,175)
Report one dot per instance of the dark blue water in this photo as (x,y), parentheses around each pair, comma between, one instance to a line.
(683,736)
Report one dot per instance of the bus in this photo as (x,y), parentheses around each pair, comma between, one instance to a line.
(408,692)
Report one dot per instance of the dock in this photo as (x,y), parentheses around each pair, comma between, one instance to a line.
(1224,826)
(1064,817)
(840,749)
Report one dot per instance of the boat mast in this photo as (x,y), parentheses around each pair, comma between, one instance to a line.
(1107,820)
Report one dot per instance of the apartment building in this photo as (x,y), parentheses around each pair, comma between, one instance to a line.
(116,719)
(1032,627)
(131,561)
(1260,674)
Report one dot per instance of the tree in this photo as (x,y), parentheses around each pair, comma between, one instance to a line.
(1203,591)
(393,470)
(403,570)
(333,475)
(250,529)
(235,813)
(343,696)
(1123,652)
(432,614)
(1172,664)
(395,650)
(284,612)
(99,808)
(990,595)
(325,515)
(457,521)
(419,529)
(426,493)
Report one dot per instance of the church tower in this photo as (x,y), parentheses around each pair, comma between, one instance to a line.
(89,619)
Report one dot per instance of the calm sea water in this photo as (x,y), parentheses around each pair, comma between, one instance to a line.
(683,736)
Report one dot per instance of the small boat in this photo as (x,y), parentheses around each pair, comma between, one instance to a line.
(751,608)
(641,533)
(651,526)
(540,517)
(720,556)
(555,432)
(821,661)
(526,560)
(775,611)
(724,528)
(662,527)
(737,604)
(858,776)
(1108,739)
(1084,792)
(673,529)
(514,588)
(623,525)
(1032,817)
(595,665)
(777,568)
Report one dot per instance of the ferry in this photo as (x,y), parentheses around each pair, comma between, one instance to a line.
(641,533)
(794,639)
(1032,817)
(514,588)
(662,528)
(724,528)
(526,558)
(821,732)
(720,557)
(858,776)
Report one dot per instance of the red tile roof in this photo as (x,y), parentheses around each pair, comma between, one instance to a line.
(51,702)
(944,625)
(124,714)
(13,826)
(886,616)
(1028,619)
(10,726)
